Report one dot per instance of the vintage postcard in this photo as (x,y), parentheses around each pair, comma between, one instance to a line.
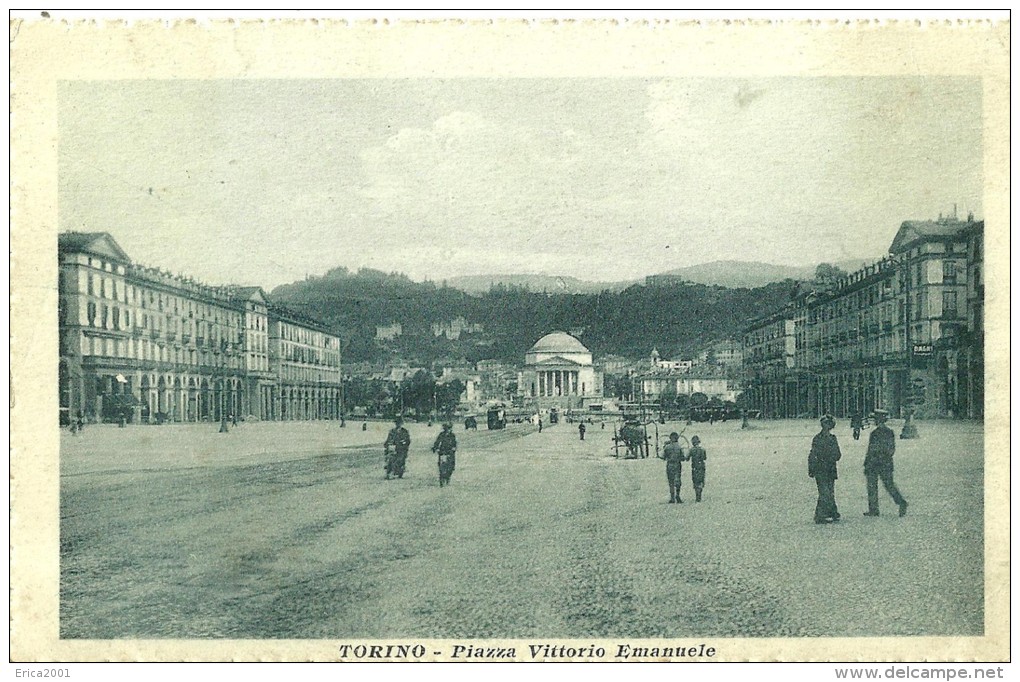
(509,340)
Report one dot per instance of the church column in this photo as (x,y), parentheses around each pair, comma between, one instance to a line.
(541,384)
(573,382)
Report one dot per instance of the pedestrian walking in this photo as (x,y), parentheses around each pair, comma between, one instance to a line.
(857,423)
(81,421)
(697,457)
(540,425)
(580,430)
(674,456)
(878,464)
(398,442)
(446,447)
(822,467)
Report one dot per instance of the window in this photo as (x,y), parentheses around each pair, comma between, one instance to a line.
(949,272)
(92,314)
(105,313)
(949,304)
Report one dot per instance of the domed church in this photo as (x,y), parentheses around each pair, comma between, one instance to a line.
(558,371)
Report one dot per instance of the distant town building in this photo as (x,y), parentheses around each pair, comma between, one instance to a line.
(470,379)
(614,364)
(899,334)
(493,366)
(652,384)
(656,362)
(388,332)
(728,353)
(453,329)
(140,344)
(398,373)
(558,370)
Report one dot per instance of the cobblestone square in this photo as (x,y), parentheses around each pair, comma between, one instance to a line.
(288,530)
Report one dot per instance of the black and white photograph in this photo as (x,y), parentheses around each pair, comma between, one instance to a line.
(514,364)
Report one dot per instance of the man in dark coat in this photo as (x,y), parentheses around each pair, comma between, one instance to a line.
(674,456)
(878,464)
(580,429)
(398,442)
(822,467)
(446,447)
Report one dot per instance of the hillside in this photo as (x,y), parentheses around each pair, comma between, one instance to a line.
(723,273)
(679,318)
(479,284)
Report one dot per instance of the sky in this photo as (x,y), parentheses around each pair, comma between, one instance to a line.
(265,182)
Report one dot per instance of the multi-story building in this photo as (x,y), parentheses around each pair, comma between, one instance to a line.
(894,335)
(972,384)
(856,359)
(769,349)
(688,382)
(305,358)
(140,344)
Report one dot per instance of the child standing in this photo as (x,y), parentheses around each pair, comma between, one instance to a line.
(698,458)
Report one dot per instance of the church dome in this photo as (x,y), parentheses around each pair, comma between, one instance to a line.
(558,342)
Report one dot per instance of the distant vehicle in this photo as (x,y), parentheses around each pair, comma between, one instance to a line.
(554,415)
(470,423)
(496,417)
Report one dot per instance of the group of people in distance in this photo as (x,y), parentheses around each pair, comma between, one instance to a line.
(878,465)
(398,443)
(822,463)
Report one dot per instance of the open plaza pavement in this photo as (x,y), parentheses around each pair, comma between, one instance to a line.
(288,530)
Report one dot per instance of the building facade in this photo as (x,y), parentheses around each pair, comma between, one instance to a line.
(141,345)
(900,334)
(305,359)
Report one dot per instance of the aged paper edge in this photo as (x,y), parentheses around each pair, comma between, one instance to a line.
(44,52)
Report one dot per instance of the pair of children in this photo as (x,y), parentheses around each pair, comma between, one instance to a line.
(675,456)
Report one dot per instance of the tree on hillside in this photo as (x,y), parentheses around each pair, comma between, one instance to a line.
(827,272)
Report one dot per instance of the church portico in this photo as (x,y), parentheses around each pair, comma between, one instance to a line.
(558,370)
